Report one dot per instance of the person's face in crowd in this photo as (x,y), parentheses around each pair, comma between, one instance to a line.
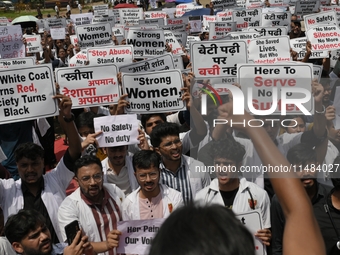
(272,128)
(225,170)
(85,131)
(62,53)
(300,126)
(117,155)
(170,148)
(148,179)
(67,40)
(59,44)
(307,173)
(36,242)
(30,171)
(296,29)
(334,135)
(151,123)
(326,94)
(90,181)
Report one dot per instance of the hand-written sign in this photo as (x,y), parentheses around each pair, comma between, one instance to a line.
(11,42)
(324,38)
(117,130)
(277,88)
(94,35)
(58,33)
(26,93)
(137,235)
(119,55)
(152,92)
(33,43)
(89,86)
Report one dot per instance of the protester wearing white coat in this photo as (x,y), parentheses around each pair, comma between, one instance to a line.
(171,200)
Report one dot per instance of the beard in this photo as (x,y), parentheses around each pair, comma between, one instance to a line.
(31,251)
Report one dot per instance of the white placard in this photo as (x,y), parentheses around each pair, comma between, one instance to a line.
(101,19)
(336,104)
(324,38)
(225,16)
(335,56)
(206,20)
(276,19)
(119,55)
(82,19)
(260,82)
(11,42)
(12,63)
(178,21)
(179,28)
(299,45)
(269,31)
(178,62)
(89,85)
(330,8)
(146,42)
(33,43)
(101,9)
(220,29)
(183,8)
(306,7)
(118,130)
(58,33)
(80,59)
(173,43)
(137,235)
(94,35)
(269,50)
(244,36)
(317,72)
(164,62)
(321,18)
(130,15)
(118,31)
(151,92)
(251,4)
(158,22)
(222,4)
(27,93)
(217,58)
(247,18)
(155,15)
(181,37)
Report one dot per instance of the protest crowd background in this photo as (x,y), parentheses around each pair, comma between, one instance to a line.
(152,126)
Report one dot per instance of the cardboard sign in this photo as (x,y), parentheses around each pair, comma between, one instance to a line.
(217,58)
(118,130)
(222,4)
(173,43)
(12,63)
(268,50)
(94,35)
(82,19)
(146,42)
(276,19)
(11,42)
(306,7)
(321,18)
(220,29)
(247,18)
(27,93)
(262,83)
(58,33)
(154,91)
(33,43)
(253,222)
(119,55)
(80,59)
(269,31)
(299,45)
(164,62)
(137,235)
(324,38)
(89,86)
(130,15)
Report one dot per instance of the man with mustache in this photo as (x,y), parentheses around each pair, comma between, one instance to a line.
(232,190)
(28,234)
(304,160)
(151,200)
(95,205)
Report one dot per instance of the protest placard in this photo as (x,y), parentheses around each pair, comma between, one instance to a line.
(82,19)
(225,16)
(251,4)
(146,42)
(151,92)
(158,22)
(11,42)
(119,55)
(155,15)
(268,50)
(178,21)
(206,21)
(54,23)
(275,3)
(178,62)
(277,87)
(118,31)
(171,40)
(139,27)
(100,10)
(195,24)
(317,72)
(223,4)
(299,45)
(170,12)
(217,58)
(332,8)
(276,19)
(220,29)
(253,222)
(12,63)
(335,56)
(324,38)
(269,31)
(80,59)
(179,28)
(26,93)
(182,8)
(94,35)
(306,7)
(101,19)
(244,36)
(247,18)
(181,37)
(117,130)
(33,43)
(137,235)
(130,15)
(89,85)
(321,18)
(164,62)
(58,33)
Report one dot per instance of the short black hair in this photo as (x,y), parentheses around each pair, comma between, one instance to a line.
(163,130)
(192,230)
(228,148)
(29,150)
(145,159)
(146,117)
(334,174)
(86,161)
(20,224)
(301,154)
(85,119)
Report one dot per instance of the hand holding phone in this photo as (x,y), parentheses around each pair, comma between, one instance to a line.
(71,231)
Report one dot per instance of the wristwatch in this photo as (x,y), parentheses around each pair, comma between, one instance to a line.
(68,120)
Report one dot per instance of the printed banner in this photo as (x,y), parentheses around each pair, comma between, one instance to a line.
(119,55)
(324,38)
(94,35)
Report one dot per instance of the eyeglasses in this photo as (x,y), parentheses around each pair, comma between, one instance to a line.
(176,142)
(152,175)
(96,178)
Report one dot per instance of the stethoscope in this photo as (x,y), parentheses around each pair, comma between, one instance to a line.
(215,193)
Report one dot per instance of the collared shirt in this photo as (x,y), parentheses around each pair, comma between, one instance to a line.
(178,181)
(121,180)
(106,215)
(32,202)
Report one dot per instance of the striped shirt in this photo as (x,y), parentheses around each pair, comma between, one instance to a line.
(106,215)
(178,181)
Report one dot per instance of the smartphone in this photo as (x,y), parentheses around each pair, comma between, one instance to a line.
(71,231)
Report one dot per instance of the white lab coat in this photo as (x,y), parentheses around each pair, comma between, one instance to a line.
(171,199)
(56,183)
(212,195)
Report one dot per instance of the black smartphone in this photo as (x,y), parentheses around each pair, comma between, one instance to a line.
(71,231)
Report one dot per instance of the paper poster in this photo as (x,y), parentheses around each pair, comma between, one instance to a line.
(11,42)
(324,38)
(58,33)
(321,18)
(94,35)
(119,55)
(171,40)
(12,63)
(247,18)
(82,19)
(220,29)
(33,43)
(130,15)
